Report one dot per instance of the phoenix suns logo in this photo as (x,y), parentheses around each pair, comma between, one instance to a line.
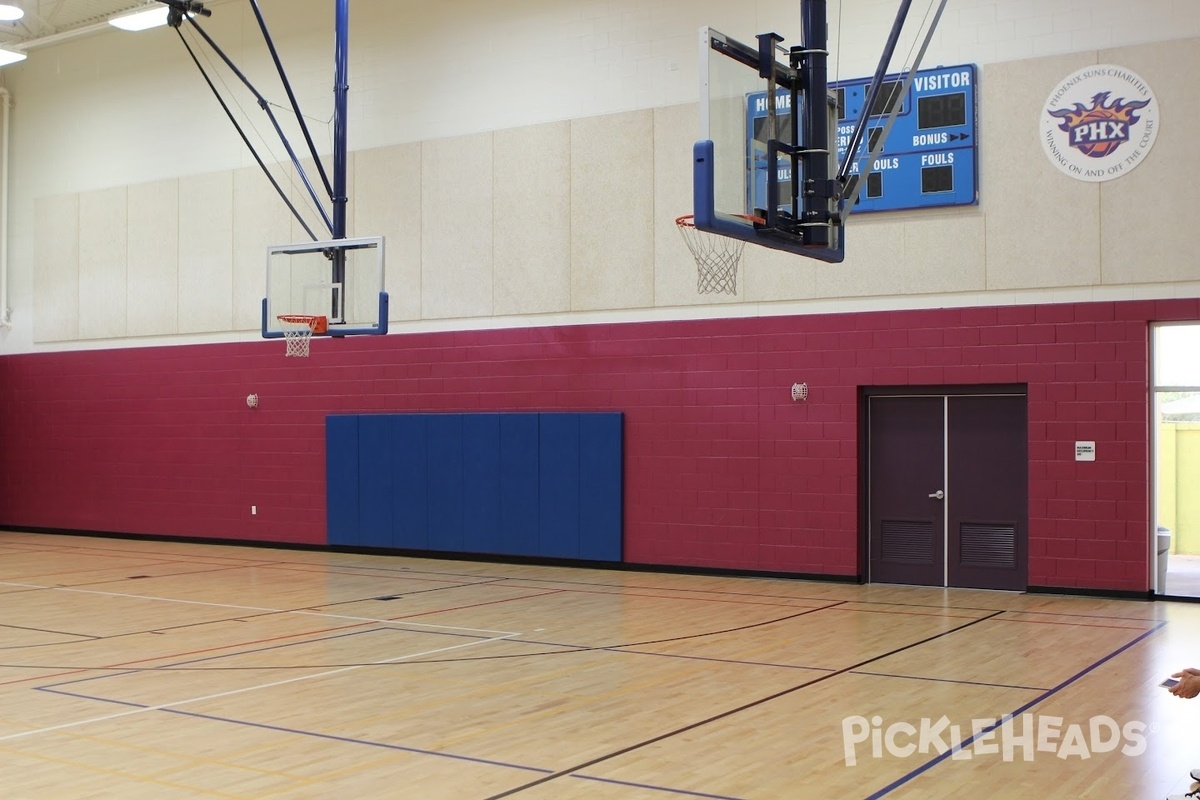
(1099,123)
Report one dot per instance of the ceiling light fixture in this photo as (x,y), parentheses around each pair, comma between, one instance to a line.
(10,13)
(141,20)
(10,57)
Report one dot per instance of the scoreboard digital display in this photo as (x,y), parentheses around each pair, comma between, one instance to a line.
(929,159)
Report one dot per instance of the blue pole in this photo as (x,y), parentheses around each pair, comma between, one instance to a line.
(816,122)
(341,57)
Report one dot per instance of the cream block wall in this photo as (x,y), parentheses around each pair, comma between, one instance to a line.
(388,204)
(456,229)
(152,258)
(103,283)
(260,219)
(1043,228)
(612,212)
(531,219)
(206,253)
(56,276)
(1148,218)
(538,170)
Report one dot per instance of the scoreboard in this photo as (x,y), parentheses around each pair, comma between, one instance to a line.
(929,157)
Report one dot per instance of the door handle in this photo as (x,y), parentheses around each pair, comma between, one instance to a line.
(938,495)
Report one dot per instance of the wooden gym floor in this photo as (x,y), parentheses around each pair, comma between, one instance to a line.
(143,669)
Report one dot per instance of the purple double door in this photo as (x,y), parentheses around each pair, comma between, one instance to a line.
(948,489)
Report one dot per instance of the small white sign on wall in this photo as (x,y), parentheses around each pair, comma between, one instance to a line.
(1085,451)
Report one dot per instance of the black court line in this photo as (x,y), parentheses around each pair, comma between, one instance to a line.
(653,788)
(78,636)
(933,762)
(730,712)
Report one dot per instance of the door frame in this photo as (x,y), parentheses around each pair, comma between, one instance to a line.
(864,445)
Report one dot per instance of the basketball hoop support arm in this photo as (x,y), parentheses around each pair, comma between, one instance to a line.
(182,8)
(893,109)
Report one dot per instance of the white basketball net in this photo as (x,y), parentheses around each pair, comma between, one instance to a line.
(297,336)
(717,257)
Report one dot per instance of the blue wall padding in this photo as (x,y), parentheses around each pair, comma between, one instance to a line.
(481,482)
(375,518)
(601,482)
(445,482)
(558,485)
(519,522)
(406,469)
(522,484)
(341,479)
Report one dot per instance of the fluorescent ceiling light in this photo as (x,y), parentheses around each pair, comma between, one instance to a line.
(141,20)
(10,57)
(10,13)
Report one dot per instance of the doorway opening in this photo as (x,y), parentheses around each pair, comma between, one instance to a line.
(1175,443)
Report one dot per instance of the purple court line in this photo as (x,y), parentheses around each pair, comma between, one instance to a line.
(348,740)
(949,680)
(653,788)
(619,649)
(896,784)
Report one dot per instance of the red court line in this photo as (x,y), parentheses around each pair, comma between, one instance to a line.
(478,605)
(99,569)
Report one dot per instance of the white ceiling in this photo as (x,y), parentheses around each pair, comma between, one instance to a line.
(53,18)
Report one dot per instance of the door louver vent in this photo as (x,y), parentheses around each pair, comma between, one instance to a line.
(906,541)
(988,546)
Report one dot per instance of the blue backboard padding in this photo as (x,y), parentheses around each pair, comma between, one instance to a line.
(445,488)
(481,481)
(558,484)
(518,531)
(375,449)
(341,484)
(408,473)
(525,484)
(601,481)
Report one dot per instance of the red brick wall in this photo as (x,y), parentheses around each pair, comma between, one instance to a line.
(722,468)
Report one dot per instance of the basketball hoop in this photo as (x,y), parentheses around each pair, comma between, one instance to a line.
(717,257)
(298,330)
